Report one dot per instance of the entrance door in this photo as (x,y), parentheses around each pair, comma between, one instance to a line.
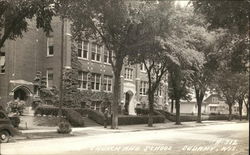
(21,94)
(128,97)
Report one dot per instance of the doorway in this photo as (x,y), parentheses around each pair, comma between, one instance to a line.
(128,97)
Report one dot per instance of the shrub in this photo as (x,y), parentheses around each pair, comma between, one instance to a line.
(71,115)
(36,102)
(218,117)
(74,118)
(141,111)
(84,112)
(96,116)
(129,120)
(16,106)
(15,120)
(64,128)
(46,110)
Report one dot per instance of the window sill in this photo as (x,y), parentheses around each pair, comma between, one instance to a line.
(96,61)
(48,56)
(82,58)
(81,89)
(108,91)
(2,73)
(143,95)
(109,64)
(128,79)
(95,90)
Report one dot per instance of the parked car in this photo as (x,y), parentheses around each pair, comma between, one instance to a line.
(6,128)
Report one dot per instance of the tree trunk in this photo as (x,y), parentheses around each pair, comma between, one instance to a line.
(199,112)
(172,105)
(116,94)
(240,108)
(199,94)
(230,112)
(247,107)
(177,109)
(151,108)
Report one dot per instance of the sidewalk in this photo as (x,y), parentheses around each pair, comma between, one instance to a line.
(50,132)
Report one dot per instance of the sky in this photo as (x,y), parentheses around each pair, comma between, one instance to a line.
(182,3)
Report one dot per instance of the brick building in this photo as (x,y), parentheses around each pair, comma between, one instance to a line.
(21,59)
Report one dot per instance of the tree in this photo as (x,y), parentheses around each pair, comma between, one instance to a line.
(232,15)
(115,24)
(153,55)
(189,42)
(227,83)
(14,16)
(243,89)
(201,40)
(232,56)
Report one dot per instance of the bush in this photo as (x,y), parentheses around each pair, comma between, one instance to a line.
(74,118)
(64,128)
(141,111)
(84,112)
(46,110)
(16,106)
(98,117)
(15,120)
(36,102)
(129,120)
(186,118)
(71,115)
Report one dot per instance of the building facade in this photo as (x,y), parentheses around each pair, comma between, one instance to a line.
(212,104)
(23,58)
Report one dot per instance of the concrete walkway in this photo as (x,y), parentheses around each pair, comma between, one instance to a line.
(129,128)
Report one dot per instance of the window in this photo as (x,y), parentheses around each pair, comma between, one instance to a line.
(95,105)
(83,49)
(213,109)
(95,52)
(214,99)
(143,88)
(50,77)
(107,56)
(128,73)
(107,83)
(96,82)
(82,80)
(50,46)
(2,62)
(236,109)
(143,68)
(159,92)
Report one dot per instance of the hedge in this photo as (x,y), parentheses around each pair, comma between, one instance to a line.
(130,120)
(187,118)
(96,116)
(140,111)
(74,118)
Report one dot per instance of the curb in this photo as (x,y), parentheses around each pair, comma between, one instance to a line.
(26,134)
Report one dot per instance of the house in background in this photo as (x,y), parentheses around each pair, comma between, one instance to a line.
(189,106)
(217,105)
(212,104)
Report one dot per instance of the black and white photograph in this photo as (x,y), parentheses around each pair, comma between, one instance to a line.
(124,77)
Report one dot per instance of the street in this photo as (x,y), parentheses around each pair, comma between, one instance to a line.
(226,139)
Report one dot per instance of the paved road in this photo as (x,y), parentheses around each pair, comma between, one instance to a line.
(227,139)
